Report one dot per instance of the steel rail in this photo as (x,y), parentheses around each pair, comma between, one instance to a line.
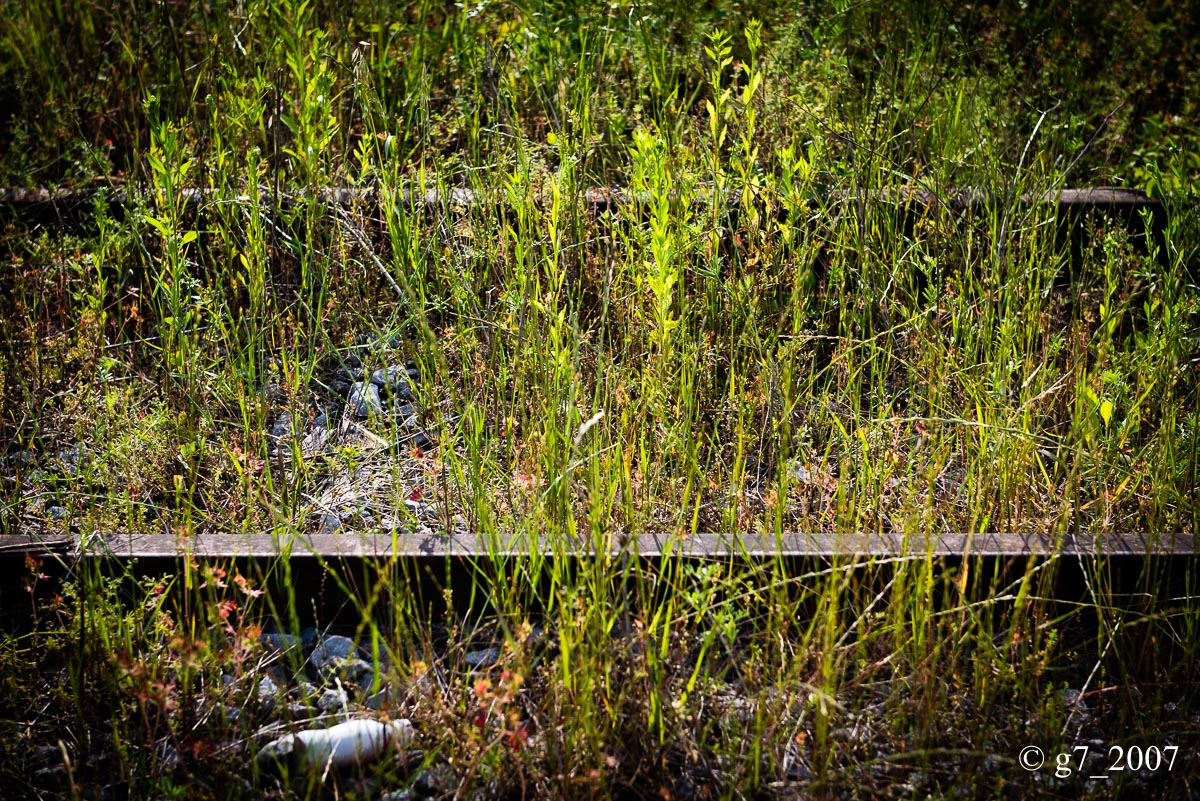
(71,202)
(404,544)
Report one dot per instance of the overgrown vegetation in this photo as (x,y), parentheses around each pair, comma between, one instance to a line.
(769,337)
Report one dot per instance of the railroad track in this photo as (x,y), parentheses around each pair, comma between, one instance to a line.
(70,205)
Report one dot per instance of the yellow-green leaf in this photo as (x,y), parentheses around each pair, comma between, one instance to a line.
(159,224)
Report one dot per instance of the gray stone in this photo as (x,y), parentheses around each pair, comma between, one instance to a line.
(57,513)
(394,379)
(71,457)
(332,700)
(364,400)
(273,393)
(266,692)
(22,460)
(329,523)
(380,377)
(168,757)
(537,636)
(331,651)
(274,642)
(282,427)
(397,795)
(430,781)
(406,415)
(483,658)
(1075,705)
(357,671)
(298,711)
(315,441)
(379,700)
(53,777)
(279,673)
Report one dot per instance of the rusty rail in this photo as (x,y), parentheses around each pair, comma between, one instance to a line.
(403,544)
(74,202)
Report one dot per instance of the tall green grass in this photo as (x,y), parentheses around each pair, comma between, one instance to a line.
(754,344)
